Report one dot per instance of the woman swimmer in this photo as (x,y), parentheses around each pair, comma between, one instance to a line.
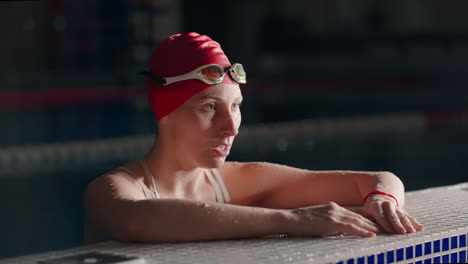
(183,190)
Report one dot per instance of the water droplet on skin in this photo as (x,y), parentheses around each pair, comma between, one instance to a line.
(235,221)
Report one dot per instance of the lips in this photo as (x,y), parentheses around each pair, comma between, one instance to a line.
(221,150)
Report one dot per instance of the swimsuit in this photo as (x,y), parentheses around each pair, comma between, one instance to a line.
(222,195)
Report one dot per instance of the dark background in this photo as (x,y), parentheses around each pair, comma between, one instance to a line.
(359,85)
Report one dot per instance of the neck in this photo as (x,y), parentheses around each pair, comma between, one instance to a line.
(171,170)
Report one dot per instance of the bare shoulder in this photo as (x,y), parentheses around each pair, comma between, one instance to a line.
(236,166)
(114,184)
(250,182)
(263,169)
(104,200)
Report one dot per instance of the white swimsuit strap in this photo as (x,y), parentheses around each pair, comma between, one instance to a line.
(150,177)
(219,194)
(148,193)
(227,198)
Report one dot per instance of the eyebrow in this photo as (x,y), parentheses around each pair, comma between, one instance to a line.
(217,98)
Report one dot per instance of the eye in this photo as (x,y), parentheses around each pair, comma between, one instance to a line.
(237,105)
(210,106)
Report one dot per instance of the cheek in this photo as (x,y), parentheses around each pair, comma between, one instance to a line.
(198,127)
(238,119)
(187,128)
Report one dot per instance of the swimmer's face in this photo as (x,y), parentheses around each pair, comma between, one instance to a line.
(203,128)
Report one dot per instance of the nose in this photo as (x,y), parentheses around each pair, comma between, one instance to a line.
(230,124)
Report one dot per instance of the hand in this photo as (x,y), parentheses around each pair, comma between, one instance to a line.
(393,219)
(328,220)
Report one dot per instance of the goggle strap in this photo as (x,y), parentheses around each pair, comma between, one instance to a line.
(153,77)
(183,77)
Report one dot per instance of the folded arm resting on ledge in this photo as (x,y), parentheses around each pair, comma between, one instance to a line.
(267,199)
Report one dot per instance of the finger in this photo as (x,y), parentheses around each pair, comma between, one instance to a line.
(405,221)
(393,218)
(354,230)
(415,223)
(383,221)
(354,209)
(358,212)
(361,222)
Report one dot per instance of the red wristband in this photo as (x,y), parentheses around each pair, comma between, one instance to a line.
(382,193)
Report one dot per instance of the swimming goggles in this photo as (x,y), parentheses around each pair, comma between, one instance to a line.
(209,74)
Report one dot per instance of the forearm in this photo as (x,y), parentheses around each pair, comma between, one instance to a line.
(381,181)
(185,220)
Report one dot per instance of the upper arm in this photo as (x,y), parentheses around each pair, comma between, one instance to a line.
(280,186)
(107,199)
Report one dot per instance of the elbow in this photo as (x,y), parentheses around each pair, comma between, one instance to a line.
(394,183)
(124,229)
(393,178)
(122,234)
(133,226)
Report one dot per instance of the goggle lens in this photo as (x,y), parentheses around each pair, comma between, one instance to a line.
(212,73)
(237,73)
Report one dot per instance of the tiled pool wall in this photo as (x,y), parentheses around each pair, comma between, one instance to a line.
(442,249)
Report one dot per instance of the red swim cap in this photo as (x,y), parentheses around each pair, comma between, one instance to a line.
(176,55)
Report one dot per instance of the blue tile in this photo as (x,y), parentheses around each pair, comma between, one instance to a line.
(400,254)
(462,256)
(419,262)
(445,244)
(427,261)
(341,262)
(437,260)
(409,252)
(381,258)
(361,260)
(462,240)
(371,259)
(445,258)
(436,246)
(418,250)
(454,242)
(350,261)
(427,248)
(390,256)
(454,257)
